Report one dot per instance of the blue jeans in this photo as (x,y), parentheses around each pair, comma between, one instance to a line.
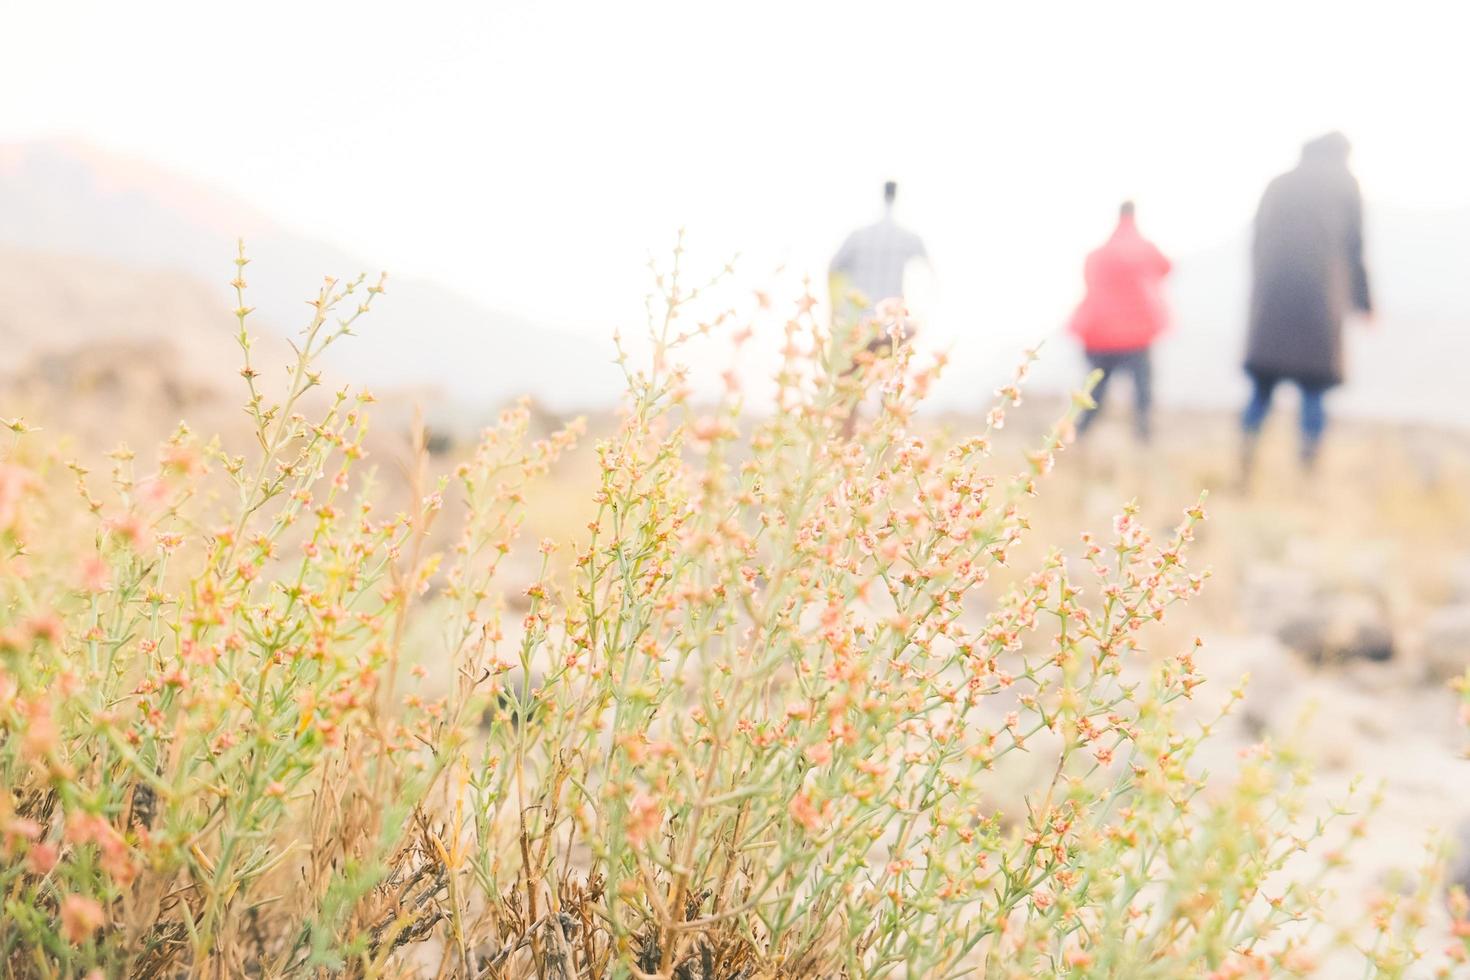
(1136,364)
(1314,413)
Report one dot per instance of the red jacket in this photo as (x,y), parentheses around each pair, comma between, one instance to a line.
(1123,308)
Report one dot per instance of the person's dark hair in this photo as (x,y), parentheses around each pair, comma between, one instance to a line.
(890,191)
(1125,210)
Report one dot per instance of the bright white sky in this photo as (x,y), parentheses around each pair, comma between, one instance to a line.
(533,154)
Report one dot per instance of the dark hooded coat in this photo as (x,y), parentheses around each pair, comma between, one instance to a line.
(1307,260)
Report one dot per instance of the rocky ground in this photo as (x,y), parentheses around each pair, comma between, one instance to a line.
(1344,594)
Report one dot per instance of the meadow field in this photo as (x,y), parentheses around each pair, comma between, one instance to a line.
(710,688)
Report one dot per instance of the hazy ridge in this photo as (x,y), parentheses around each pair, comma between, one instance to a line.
(66,199)
(69,200)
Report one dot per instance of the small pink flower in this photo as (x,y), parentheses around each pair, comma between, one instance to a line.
(45,626)
(15,829)
(130,531)
(80,918)
(804,812)
(644,819)
(42,857)
(95,575)
(41,736)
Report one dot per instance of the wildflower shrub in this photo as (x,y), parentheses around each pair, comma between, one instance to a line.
(751,728)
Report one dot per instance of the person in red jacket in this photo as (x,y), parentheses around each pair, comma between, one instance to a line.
(1122,314)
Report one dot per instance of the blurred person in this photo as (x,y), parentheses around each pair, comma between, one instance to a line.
(870,265)
(867,271)
(1307,273)
(1122,313)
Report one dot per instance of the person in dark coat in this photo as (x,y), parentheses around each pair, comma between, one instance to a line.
(1308,272)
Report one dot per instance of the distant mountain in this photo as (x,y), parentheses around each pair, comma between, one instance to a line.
(110,353)
(1408,365)
(54,305)
(68,199)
